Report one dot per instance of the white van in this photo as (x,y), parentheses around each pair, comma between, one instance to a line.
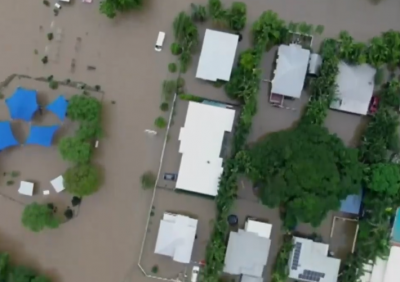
(160,41)
(195,273)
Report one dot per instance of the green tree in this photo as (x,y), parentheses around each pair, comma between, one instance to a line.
(89,131)
(269,29)
(391,39)
(110,8)
(217,13)
(384,178)
(41,278)
(84,108)
(82,180)
(75,149)
(160,122)
(291,166)
(21,274)
(37,217)
(377,52)
(237,16)
(247,60)
(4,266)
(148,180)
(199,12)
(176,49)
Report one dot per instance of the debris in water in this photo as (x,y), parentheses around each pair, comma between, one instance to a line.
(91,68)
(45,60)
(73,63)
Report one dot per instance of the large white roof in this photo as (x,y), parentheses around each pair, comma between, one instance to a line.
(310,260)
(291,70)
(201,140)
(176,237)
(355,88)
(217,55)
(262,229)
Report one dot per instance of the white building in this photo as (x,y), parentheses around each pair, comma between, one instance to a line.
(291,70)
(355,88)
(200,145)
(309,262)
(217,55)
(176,237)
(383,270)
(248,250)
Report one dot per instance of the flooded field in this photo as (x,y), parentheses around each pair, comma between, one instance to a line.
(103,243)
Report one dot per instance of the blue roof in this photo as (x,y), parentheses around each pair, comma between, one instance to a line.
(351,204)
(22,104)
(59,107)
(41,135)
(7,138)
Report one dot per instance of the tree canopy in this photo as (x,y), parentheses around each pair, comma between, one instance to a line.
(84,108)
(237,16)
(89,130)
(75,149)
(82,180)
(4,266)
(384,178)
(37,217)
(21,274)
(306,170)
(110,8)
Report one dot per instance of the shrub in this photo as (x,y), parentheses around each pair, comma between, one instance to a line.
(164,107)
(50,36)
(180,82)
(160,122)
(176,49)
(45,60)
(168,87)
(148,180)
(53,84)
(172,67)
(154,269)
(190,97)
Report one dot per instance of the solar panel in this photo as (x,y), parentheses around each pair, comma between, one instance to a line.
(310,275)
(296,255)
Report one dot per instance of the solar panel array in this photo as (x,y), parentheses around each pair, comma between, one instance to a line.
(311,275)
(296,255)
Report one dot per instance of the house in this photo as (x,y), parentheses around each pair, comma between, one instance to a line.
(355,88)
(291,70)
(247,251)
(309,262)
(217,55)
(201,140)
(383,270)
(176,237)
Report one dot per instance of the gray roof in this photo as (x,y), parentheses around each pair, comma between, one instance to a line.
(309,261)
(247,254)
(247,278)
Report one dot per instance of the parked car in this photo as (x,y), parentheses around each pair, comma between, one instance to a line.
(170,176)
(195,273)
(160,41)
(373,105)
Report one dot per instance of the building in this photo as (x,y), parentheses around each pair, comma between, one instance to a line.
(247,252)
(176,237)
(201,140)
(309,262)
(217,55)
(383,270)
(291,70)
(355,88)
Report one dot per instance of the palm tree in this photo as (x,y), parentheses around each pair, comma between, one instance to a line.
(199,13)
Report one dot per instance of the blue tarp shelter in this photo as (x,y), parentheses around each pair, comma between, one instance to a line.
(59,107)
(22,104)
(352,204)
(7,138)
(41,135)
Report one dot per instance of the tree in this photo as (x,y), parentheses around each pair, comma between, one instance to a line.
(4,266)
(237,16)
(199,12)
(37,217)
(110,8)
(75,149)
(291,166)
(41,278)
(217,13)
(82,180)
(148,180)
(160,122)
(391,39)
(384,178)
(176,49)
(247,60)
(377,52)
(84,108)
(21,274)
(89,131)
(269,29)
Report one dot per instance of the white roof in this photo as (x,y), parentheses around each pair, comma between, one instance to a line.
(201,140)
(260,228)
(217,55)
(312,257)
(58,183)
(291,69)
(26,188)
(176,237)
(355,88)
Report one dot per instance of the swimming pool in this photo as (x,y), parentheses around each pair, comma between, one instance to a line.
(396,228)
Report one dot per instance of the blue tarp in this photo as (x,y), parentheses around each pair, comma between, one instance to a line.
(59,107)
(41,135)
(351,204)
(22,104)
(7,138)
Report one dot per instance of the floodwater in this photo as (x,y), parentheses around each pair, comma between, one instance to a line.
(103,243)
